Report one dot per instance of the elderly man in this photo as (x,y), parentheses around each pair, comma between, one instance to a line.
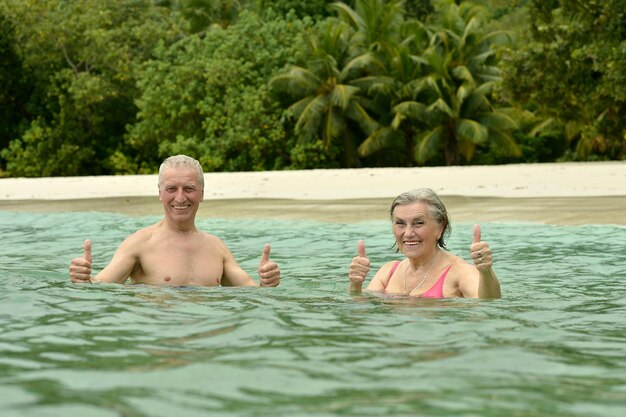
(173,251)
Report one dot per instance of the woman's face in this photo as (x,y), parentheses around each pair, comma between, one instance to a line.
(415,230)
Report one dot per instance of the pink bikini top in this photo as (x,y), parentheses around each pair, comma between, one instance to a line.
(436,291)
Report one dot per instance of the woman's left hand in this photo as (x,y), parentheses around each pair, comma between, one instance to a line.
(480,252)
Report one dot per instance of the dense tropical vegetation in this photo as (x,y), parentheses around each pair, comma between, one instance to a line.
(91,87)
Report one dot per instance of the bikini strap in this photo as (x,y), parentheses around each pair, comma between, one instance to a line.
(393,269)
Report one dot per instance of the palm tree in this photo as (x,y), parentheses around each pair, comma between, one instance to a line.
(404,71)
(447,109)
(327,107)
(382,66)
(456,94)
(376,25)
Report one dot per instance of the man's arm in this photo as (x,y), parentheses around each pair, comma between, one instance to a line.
(268,271)
(117,271)
(235,276)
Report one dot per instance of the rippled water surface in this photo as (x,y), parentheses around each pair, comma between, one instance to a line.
(554,345)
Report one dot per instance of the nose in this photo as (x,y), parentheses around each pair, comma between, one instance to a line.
(409,231)
(180,195)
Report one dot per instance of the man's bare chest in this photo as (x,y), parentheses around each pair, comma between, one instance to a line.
(170,264)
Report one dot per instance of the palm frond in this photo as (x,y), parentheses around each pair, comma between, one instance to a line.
(366,63)
(348,15)
(375,84)
(410,110)
(481,58)
(358,114)
(334,126)
(296,81)
(342,94)
(475,103)
(497,38)
(543,126)
(505,142)
(299,106)
(428,83)
(426,144)
(470,28)
(498,120)
(485,88)
(471,131)
(464,91)
(380,139)
(443,107)
(461,72)
(310,118)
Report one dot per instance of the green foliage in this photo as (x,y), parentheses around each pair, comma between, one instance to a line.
(571,69)
(374,80)
(440,94)
(14,87)
(82,57)
(202,14)
(207,96)
(327,107)
(418,9)
(316,9)
(91,87)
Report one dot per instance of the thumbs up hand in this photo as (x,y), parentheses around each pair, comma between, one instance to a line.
(268,270)
(359,267)
(80,268)
(480,252)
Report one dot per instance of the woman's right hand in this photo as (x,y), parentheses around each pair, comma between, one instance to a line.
(359,268)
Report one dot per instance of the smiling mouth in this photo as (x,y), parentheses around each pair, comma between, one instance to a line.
(411,243)
(181,207)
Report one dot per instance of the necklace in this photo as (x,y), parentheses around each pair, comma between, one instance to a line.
(423,278)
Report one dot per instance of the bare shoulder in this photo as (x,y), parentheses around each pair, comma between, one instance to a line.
(139,236)
(383,274)
(215,243)
(212,239)
(461,269)
(140,240)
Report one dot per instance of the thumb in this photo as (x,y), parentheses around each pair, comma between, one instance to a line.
(476,233)
(266,254)
(87,250)
(361,248)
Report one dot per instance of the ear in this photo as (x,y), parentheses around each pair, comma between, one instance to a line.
(442,227)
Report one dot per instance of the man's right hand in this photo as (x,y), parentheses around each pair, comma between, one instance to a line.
(80,268)
(359,268)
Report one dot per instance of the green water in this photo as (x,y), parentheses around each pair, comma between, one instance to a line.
(555,345)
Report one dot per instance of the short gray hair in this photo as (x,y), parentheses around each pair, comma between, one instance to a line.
(181,161)
(435,205)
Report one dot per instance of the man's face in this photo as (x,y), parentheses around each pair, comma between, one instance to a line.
(180,192)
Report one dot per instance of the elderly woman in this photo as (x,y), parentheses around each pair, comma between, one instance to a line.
(420,224)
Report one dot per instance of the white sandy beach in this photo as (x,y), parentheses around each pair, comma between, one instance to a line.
(588,179)
(589,192)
